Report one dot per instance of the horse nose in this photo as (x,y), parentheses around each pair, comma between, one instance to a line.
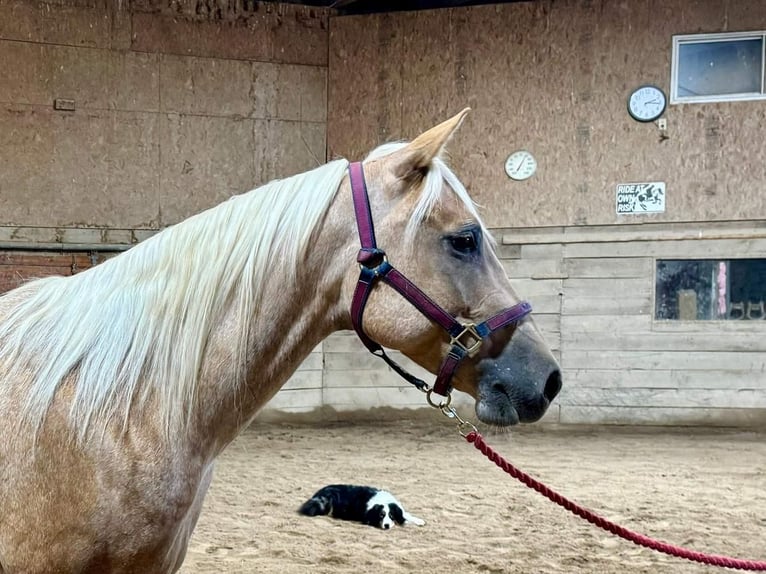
(552,385)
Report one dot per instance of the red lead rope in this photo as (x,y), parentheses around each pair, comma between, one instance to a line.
(636,538)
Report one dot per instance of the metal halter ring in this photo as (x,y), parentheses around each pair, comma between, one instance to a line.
(463,427)
(441,406)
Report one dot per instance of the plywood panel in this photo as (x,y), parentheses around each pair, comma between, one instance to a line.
(87,24)
(205,160)
(265,36)
(95,168)
(554,78)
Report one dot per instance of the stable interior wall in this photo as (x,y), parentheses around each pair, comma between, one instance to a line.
(178,105)
(553,77)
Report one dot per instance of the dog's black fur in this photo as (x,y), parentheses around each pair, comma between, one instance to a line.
(350,502)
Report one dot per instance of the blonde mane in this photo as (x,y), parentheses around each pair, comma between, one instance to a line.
(147,315)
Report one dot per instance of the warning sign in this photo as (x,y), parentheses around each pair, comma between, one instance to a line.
(641,197)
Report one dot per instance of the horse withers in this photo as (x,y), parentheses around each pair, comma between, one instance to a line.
(121,385)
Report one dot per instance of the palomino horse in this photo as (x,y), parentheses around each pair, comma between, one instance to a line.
(120,386)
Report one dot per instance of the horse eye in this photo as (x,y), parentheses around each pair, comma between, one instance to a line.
(465,243)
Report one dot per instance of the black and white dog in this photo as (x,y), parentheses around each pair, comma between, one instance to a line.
(362,504)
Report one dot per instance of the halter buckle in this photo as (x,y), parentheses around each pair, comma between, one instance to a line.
(470,348)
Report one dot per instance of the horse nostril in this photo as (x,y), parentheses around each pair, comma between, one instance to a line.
(552,385)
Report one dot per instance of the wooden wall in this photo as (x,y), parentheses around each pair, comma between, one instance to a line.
(155,137)
(592,289)
(553,77)
(175,109)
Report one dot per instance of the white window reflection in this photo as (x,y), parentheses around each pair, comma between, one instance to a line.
(718,67)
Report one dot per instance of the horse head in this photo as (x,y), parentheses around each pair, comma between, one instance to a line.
(428,230)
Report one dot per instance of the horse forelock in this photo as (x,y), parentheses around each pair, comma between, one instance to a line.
(431,191)
(137,325)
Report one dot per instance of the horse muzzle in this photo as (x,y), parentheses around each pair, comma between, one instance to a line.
(519,384)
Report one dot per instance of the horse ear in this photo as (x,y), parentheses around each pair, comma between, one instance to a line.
(417,155)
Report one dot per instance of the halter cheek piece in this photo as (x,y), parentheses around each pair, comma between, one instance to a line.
(465,339)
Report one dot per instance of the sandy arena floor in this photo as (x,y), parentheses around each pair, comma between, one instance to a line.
(705,490)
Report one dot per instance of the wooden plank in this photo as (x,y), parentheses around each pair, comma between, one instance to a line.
(545,304)
(704,231)
(369,397)
(664,360)
(610,267)
(24,258)
(306,398)
(527,287)
(542,251)
(363,378)
(508,251)
(304,380)
(605,323)
(598,415)
(659,341)
(689,249)
(663,379)
(622,287)
(312,363)
(616,305)
(716,327)
(547,323)
(344,343)
(682,398)
(534,268)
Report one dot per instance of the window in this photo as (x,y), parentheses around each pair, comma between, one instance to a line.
(711,289)
(718,67)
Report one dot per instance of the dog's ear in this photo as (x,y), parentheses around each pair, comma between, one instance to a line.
(374,515)
(395,511)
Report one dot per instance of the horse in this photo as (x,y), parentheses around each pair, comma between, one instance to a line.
(121,385)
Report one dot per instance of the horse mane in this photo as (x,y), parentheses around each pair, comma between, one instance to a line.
(146,315)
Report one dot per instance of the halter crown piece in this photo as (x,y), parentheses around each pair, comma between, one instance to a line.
(465,339)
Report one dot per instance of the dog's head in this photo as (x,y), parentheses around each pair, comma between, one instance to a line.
(384,516)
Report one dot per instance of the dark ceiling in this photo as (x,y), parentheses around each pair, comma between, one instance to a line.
(374,6)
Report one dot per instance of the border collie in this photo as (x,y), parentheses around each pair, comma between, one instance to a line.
(363,504)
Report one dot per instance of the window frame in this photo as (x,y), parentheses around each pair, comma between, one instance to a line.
(716,37)
(701,325)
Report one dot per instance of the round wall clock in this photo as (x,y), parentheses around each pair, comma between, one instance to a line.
(520,165)
(646,103)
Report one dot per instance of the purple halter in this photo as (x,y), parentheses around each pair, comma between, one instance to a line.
(465,339)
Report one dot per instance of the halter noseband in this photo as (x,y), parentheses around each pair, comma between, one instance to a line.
(465,339)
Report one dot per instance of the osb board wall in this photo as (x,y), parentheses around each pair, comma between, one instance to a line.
(177,107)
(553,77)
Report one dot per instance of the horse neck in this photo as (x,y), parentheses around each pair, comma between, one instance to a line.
(295,315)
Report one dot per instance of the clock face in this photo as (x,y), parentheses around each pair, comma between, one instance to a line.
(520,165)
(646,103)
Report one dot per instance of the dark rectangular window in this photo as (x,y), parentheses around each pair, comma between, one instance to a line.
(711,289)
